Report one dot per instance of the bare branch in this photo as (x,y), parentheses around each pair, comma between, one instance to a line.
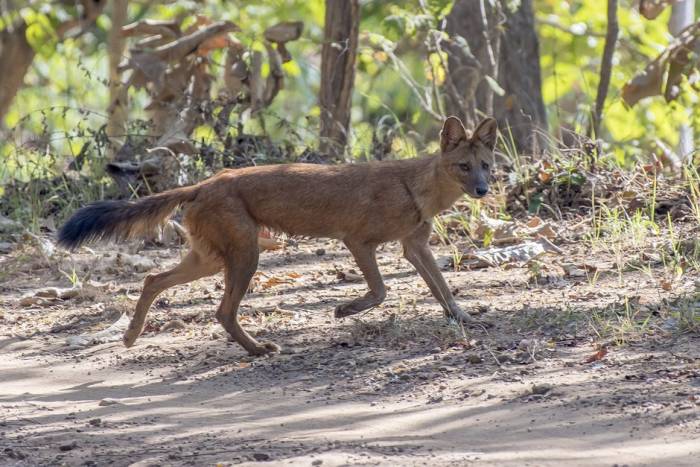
(605,67)
(187,44)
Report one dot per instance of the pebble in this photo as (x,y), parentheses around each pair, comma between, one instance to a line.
(543,388)
(474,358)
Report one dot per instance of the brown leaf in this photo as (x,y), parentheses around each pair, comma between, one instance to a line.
(676,58)
(221,41)
(285,31)
(597,356)
(273,281)
(235,68)
(267,242)
(183,46)
(645,84)
(349,276)
(545,172)
(148,68)
(276,280)
(534,222)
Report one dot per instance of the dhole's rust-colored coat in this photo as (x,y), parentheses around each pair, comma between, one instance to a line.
(363,205)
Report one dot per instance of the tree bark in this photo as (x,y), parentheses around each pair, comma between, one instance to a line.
(682,16)
(605,68)
(118,95)
(466,57)
(16,55)
(510,35)
(338,55)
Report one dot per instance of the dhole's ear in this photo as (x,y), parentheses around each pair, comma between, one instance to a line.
(452,134)
(486,133)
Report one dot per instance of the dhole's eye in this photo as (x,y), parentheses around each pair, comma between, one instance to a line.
(485,165)
(465,166)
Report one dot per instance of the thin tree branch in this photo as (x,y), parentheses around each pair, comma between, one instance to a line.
(605,67)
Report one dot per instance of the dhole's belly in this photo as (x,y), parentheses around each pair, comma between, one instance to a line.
(343,224)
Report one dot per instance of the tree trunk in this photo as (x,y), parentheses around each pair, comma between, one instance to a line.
(682,16)
(466,60)
(605,69)
(338,73)
(117,110)
(506,37)
(16,55)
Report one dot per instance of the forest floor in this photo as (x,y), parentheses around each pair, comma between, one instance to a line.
(584,368)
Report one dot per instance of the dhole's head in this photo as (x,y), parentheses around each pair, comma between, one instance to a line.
(468,160)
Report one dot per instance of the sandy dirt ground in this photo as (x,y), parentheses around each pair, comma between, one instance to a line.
(398,385)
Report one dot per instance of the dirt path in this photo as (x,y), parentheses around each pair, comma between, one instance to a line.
(398,386)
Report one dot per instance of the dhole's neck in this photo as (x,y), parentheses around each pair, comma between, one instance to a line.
(441,191)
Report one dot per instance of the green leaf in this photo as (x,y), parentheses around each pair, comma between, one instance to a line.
(439,8)
(488,238)
(40,33)
(535,203)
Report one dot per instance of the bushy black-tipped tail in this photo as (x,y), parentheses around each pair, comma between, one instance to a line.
(121,219)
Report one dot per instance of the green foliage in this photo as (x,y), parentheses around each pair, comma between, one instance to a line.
(571,44)
(40,33)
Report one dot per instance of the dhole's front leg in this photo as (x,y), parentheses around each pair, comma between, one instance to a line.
(417,252)
(366,258)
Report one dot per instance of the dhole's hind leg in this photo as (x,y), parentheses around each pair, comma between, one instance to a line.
(366,259)
(193,266)
(239,266)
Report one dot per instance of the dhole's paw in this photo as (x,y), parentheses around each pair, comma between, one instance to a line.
(265,348)
(345,310)
(355,307)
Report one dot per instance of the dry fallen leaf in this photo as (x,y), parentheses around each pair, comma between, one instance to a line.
(545,172)
(597,356)
(50,295)
(349,276)
(267,241)
(260,279)
(273,281)
(499,232)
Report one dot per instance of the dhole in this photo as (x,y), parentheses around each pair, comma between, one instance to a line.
(363,205)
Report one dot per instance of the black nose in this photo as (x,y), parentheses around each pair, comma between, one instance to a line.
(482,190)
